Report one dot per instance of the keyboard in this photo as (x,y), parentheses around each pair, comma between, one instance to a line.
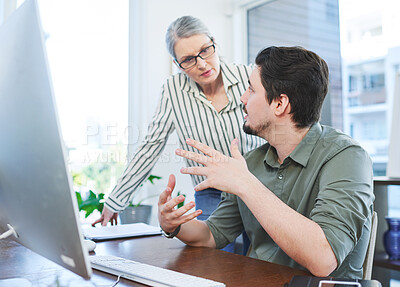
(148,274)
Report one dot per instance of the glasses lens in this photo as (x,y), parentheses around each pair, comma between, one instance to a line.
(207,52)
(188,63)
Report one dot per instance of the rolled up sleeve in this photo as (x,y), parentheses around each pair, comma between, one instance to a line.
(225,222)
(345,200)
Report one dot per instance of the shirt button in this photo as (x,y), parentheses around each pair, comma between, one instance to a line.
(280,176)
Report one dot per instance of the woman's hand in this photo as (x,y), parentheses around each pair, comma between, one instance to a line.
(106,216)
(169,217)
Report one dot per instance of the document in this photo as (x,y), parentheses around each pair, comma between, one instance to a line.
(120,231)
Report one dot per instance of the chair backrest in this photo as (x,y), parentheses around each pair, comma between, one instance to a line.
(369,256)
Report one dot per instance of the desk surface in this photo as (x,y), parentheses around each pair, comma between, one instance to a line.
(232,269)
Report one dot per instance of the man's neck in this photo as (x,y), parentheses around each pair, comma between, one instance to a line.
(285,139)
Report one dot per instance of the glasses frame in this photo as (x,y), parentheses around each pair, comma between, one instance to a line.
(198,56)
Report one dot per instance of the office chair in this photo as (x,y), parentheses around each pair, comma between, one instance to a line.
(369,256)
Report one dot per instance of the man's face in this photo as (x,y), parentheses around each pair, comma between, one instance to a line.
(258,111)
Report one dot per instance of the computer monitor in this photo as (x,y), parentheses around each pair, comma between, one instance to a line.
(36,195)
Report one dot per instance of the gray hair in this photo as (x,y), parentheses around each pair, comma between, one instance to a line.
(183,27)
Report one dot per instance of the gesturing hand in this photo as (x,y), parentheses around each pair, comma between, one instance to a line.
(169,217)
(222,172)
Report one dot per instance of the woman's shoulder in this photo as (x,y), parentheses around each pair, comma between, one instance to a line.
(175,79)
(235,66)
(178,81)
(241,71)
(177,85)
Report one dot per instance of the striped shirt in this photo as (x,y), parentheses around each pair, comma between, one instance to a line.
(183,107)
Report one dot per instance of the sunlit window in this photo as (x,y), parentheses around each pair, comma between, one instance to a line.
(87,47)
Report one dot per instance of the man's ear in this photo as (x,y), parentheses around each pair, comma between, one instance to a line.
(282,105)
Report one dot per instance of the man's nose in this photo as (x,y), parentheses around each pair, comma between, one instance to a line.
(243,98)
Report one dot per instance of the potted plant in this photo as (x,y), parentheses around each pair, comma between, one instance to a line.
(134,212)
(138,212)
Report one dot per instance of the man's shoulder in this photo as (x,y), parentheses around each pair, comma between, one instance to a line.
(333,141)
(335,137)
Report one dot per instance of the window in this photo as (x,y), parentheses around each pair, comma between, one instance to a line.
(369,55)
(352,83)
(87,47)
(313,24)
(376,31)
(377,81)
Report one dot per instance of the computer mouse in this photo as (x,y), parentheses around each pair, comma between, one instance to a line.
(90,245)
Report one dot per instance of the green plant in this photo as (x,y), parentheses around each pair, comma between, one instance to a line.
(96,201)
(183,202)
(92,203)
(151,179)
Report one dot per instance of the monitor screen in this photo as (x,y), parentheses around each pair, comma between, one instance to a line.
(36,195)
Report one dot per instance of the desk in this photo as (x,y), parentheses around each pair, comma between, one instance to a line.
(232,269)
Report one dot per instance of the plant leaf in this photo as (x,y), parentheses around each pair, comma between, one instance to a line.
(92,203)
(183,202)
(78,197)
(151,178)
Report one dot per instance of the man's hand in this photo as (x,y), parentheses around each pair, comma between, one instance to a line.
(223,173)
(106,216)
(169,217)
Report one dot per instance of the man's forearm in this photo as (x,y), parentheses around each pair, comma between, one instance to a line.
(196,233)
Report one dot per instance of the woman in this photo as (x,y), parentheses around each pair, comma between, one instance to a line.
(202,102)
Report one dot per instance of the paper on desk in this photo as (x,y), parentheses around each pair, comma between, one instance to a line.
(120,231)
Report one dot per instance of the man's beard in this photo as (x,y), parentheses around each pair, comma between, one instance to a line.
(258,130)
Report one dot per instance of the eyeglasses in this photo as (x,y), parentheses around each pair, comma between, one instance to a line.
(191,61)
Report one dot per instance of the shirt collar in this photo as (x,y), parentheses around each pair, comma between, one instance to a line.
(301,154)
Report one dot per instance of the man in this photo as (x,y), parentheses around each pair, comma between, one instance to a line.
(305,198)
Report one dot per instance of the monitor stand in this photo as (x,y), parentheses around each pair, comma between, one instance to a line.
(13,282)
(10,231)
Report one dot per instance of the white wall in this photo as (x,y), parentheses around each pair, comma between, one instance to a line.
(149,22)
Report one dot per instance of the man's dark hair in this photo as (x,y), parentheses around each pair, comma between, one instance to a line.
(300,74)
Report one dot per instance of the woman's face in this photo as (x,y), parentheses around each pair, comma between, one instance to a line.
(204,72)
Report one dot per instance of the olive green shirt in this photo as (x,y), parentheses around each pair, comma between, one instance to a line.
(327,178)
